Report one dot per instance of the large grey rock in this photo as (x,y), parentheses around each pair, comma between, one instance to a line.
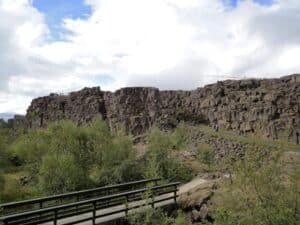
(271,106)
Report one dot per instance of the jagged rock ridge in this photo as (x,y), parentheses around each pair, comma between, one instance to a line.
(269,106)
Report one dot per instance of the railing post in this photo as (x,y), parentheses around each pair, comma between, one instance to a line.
(175,194)
(41,206)
(55,217)
(94,213)
(126,205)
(77,207)
(152,198)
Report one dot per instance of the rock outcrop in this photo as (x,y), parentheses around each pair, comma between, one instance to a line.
(19,121)
(268,106)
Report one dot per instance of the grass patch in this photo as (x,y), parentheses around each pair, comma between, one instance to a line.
(14,190)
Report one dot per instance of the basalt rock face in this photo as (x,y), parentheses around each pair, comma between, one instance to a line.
(19,121)
(268,106)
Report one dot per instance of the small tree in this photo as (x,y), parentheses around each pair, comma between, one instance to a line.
(161,161)
(179,136)
(118,162)
(60,173)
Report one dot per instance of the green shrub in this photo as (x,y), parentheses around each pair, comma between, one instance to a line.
(205,153)
(2,183)
(179,136)
(13,190)
(60,173)
(96,154)
(150,217)
(161,161)
(155,217)
(61,137)
(118,163)
(5,139)
(261,191)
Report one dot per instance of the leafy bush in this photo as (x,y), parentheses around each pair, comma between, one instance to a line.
(118,163)
(91,152)
(262,191)
(60,173)
(150,217)
(161,161)
(179,136)
(4,143)
(205,153)
(2,182)
(155,217)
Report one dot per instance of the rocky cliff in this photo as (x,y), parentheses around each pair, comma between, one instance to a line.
(268,106)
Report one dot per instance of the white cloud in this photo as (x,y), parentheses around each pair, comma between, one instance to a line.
(163,43)
(290,58)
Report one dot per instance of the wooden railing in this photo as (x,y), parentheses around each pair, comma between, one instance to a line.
(54,200)
(118,203)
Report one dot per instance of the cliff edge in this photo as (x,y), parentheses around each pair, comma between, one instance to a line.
(268,106)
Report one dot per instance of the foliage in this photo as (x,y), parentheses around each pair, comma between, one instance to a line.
(14,190)
(205,153)
(150,217)
(160,160)
(2,182)
(179,136)
(92,154)
(60,173)
(261,191)
(5,139)
(4,158)
(154,217)
(118,163)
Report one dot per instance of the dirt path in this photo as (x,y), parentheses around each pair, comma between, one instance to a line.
(192,185)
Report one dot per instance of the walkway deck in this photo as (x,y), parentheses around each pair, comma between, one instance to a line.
(113,209)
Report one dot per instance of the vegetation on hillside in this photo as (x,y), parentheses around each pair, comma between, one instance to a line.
(262,187)
(64,157)
(73,157)
(160,161)
(155,217)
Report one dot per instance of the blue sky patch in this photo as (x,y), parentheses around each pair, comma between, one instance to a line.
(56,10)
(233,3)
(102,79)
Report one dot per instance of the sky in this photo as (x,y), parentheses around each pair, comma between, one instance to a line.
(58,46)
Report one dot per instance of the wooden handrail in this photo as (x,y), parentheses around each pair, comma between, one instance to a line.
(74,194)
(36,215)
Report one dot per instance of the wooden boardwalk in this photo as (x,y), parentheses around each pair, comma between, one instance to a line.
(142,206)
(93,206)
